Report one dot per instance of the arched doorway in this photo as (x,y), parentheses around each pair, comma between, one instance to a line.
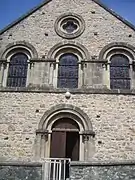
(65,139)
(65,131)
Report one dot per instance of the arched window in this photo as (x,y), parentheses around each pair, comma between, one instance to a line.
(68,71)
(119,72)
(17,72)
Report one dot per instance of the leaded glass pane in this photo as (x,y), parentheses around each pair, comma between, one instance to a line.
(120,84)
(119,72)
(68,71)
(70,26)
(17,73)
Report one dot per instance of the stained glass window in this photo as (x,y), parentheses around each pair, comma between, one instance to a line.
(70,26)
(119,72)
(68,71)
(17,72)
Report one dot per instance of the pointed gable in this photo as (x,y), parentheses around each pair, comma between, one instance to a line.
(39,26)
(47,1)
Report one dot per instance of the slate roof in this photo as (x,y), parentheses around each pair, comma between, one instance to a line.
(47,1)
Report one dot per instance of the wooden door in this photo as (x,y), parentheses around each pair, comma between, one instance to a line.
(58,144)
(65,139)
(72,145)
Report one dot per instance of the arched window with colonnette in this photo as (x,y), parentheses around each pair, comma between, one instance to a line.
(119,72)
(17,56)
(67,72)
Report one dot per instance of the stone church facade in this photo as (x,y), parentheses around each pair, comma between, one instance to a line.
(67,80)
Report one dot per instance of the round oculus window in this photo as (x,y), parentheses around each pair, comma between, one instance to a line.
(69,26)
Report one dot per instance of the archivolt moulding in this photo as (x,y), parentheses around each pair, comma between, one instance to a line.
(62,111)
(117,46)
(19,45)
(68,45)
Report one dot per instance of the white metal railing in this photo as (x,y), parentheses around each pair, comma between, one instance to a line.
(56,169)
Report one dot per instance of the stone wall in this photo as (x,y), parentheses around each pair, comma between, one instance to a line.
(78,171)
(109,28)
(111,116)
(101,29)
(20,171)
(87,171)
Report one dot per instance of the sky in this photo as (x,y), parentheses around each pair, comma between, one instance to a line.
(10,10)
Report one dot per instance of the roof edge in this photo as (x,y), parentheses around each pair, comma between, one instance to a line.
(47,1)
(24,16)
(114,14)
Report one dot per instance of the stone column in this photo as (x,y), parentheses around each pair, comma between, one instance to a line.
(5,73)
(83,66)
(80,75)
(87,138)
(1,73)
(86,147)
(38,146)
(30,73)
(55,74)
(48,148)
(41,140)
(106,73)
(51,73)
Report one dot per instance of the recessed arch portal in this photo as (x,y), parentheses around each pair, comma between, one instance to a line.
(70,125)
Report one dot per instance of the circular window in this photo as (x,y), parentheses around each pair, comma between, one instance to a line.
(69,26)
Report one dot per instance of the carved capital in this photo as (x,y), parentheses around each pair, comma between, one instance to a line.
(43,133)
(83,64)
(133,65)
(87,135)
(4,62)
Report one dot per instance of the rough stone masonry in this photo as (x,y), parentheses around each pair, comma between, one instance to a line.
(110,113)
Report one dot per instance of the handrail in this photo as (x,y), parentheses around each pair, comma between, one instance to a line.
(56,168)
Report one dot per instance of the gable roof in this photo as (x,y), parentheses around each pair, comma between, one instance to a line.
(47,1)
